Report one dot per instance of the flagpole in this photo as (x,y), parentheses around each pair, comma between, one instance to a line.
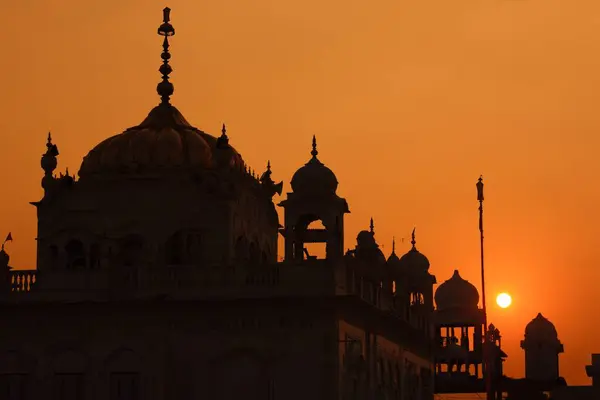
(486,371)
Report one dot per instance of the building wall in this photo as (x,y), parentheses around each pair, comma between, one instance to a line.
(390,370)
(181,350)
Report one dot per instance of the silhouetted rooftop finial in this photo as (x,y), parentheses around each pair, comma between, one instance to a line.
(413,241)
(394,244)
(269,165)
(224,131)
(165,88)
(480,188)
(371,226)
(314,151)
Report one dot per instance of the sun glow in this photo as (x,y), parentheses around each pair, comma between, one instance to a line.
(504,300)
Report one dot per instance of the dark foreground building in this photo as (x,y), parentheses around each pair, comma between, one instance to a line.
(157,278)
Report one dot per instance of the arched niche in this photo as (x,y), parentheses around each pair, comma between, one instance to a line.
(75,254)
(184,247)
(132,249)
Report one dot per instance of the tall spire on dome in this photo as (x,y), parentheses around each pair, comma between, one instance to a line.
(314,151)
(165,88)
(372,226)
(223,140)
(393,244)
(413,241)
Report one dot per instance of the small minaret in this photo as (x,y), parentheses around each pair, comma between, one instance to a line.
(49,163)
(542,348)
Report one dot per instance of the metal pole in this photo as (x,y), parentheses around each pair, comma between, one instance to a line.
(485,351)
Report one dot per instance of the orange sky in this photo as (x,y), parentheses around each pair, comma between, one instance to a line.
(410,101)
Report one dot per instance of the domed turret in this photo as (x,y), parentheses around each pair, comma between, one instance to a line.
(393,260)
(456,292)
(367,247)
(540,328)
(314,178)
(542,348)
(414,262)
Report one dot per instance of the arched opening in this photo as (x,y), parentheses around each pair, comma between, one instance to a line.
(315,240)
(132,250)
(184,248)
(75,255)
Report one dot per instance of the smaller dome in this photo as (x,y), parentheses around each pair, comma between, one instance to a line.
(540,328)
(367,247)
(414,261)
(314,178)
(393,259)
(456,292)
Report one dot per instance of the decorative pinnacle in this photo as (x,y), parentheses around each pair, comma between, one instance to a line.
(224,131)
(314,151)
(372,226)
(413,241)
(269,165)
(480,188)
(165,88)
(394,244)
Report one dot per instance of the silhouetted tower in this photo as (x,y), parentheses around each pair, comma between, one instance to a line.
(419,287)
(542,348)
(313,198)
(459,323)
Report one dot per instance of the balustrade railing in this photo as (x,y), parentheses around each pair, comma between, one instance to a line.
(22,280)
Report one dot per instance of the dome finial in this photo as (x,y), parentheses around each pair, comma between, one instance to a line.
(394,245)
(165,88)
(372,226)
(413,241)
(314,151)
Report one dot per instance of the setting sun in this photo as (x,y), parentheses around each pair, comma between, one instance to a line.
(504,300)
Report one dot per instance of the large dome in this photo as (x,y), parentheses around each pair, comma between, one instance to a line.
(540,328)
(164,141)
(456,292)
(314,178)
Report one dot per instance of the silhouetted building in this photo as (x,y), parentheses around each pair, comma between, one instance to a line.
(157,278)
(542,348)
(542,380)
(460,352)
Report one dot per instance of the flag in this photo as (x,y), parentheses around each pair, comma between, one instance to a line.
(8,237)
